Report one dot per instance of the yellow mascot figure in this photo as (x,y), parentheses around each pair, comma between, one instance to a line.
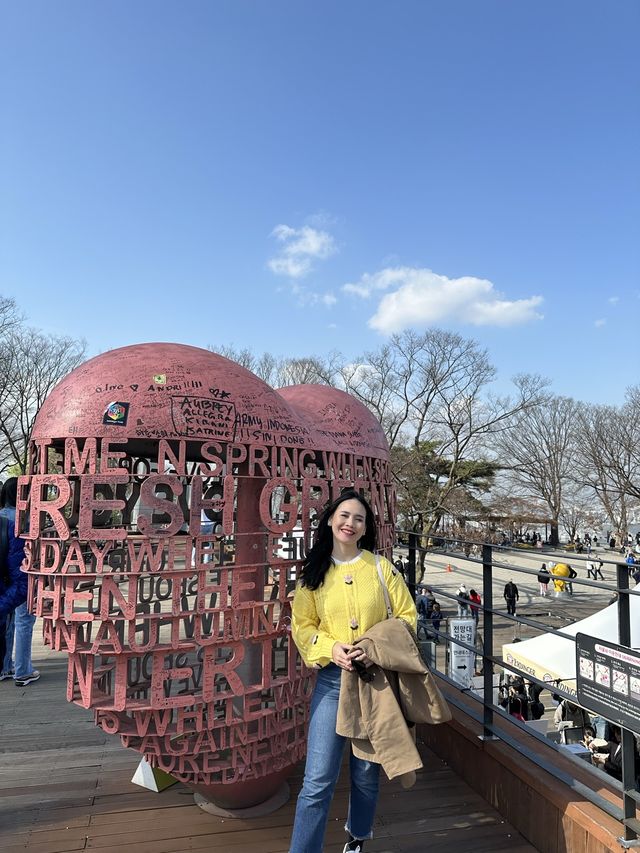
(560,570)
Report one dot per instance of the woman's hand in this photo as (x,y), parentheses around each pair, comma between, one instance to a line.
(340,654)
(357,654)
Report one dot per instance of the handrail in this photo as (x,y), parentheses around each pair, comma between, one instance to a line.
(490,659)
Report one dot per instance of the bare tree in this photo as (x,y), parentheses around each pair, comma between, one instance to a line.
(10,317)
(305,371)
(609,456)
(579,510)
(434,386)
(508,511)
(279,372)
(538,452)
(430,392)
(264,366)
(33,365)
(627,430)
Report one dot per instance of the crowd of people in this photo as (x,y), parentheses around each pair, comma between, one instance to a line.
(521,698)
(429,614)
(602,738)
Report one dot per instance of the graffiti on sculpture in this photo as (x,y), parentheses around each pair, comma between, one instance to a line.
(170,500)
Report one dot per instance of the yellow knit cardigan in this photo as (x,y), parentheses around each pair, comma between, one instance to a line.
(346,605)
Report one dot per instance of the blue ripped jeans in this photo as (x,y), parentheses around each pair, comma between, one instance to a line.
(324,760)
(19,630)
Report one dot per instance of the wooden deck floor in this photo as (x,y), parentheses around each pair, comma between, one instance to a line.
(65,786)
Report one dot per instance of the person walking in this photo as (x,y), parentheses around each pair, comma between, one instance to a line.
(424,604)
(19,621)
(631,562)
(475,601)
(543,579)
(338,598)
(464,609)
(511,595)
(13,592)
(595,568)
(436,619)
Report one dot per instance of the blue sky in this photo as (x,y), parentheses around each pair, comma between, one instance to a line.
(305,176)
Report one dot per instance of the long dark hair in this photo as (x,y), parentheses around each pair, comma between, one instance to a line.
(318,560)
(9,492)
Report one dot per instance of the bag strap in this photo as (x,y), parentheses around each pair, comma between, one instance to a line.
(385,590)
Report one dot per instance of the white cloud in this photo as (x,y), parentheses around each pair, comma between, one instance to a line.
(305,296)
(599,323)
(290,267)
(383,279)
(420,297)
(299,248)
(613,300)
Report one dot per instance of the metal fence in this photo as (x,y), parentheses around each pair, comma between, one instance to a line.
(488,559)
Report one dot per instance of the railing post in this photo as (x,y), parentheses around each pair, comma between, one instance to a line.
(628,739)
(487,644)
(411,571)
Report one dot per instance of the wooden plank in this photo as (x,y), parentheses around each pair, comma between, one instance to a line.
(65,786)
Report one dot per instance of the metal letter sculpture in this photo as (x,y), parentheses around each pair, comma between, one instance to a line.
(170,498)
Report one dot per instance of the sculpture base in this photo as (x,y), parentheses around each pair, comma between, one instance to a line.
(274,802)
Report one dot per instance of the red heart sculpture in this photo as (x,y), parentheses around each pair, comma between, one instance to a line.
(170,499)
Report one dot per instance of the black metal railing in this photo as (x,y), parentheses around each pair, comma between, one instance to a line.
(488,557)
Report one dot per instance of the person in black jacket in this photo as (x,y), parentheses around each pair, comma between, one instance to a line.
(543,579)
(609,757)
(511,595)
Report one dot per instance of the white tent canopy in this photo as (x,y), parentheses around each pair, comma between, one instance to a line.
(551,658)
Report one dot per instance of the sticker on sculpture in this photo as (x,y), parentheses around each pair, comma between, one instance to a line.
(116,414)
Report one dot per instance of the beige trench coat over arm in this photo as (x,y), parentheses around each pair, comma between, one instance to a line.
(374,714)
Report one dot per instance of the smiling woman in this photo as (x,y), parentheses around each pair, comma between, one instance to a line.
(339,598)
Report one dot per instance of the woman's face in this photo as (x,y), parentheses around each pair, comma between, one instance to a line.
(348,522)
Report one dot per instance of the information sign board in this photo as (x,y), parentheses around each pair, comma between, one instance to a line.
(608,680)
(461,660)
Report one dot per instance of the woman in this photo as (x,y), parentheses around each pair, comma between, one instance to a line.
(338,599)
(543,579)
(515,708)
(476,601)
